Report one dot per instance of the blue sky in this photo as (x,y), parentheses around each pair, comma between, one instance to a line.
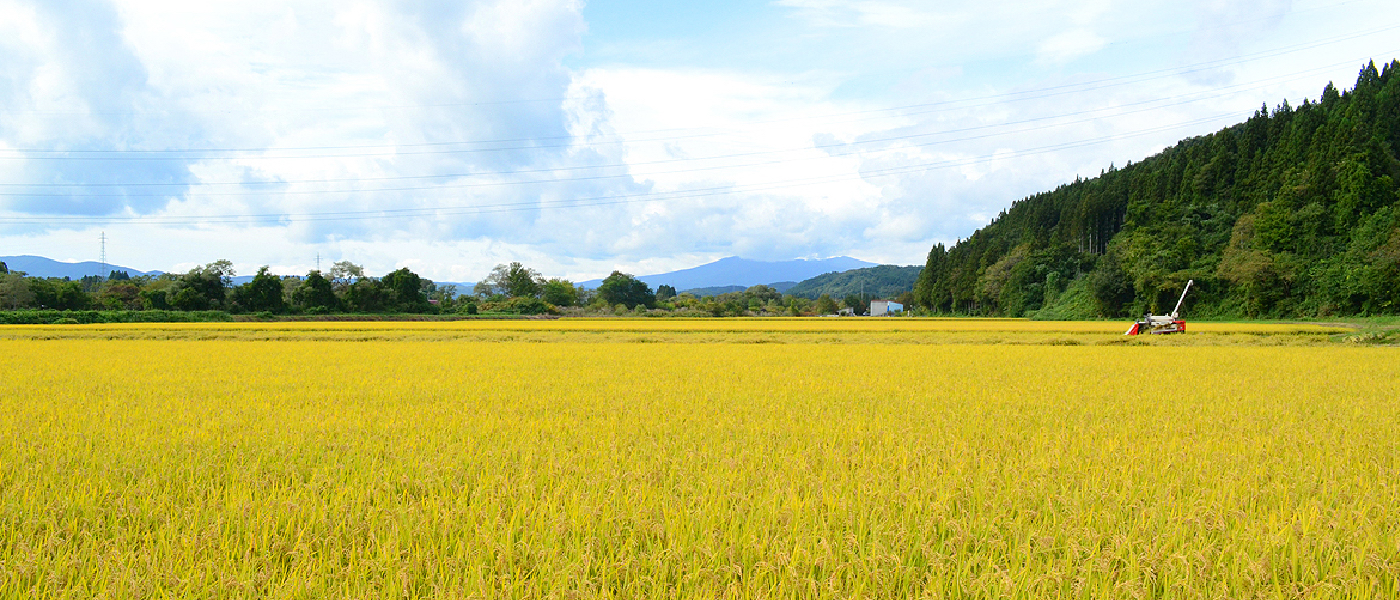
(582,137)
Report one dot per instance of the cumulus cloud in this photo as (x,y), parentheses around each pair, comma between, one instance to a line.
(450,136)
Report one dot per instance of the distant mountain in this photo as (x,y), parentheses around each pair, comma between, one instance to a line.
(884,281)
(735,271)
(38,266)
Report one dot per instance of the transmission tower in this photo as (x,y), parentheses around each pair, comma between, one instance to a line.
(102,256)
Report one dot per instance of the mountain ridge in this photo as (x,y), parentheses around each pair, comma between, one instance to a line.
(736,271)
(41,266)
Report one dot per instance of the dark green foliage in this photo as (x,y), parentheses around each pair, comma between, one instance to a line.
(365,296)
(762,293)
(262,294)
(155,300)
(665,292)
(857,303)
(467,306)
(315,295)
(621,288)
(58,294)
(404,292)
(42,317)
(884,281)
(121,295)
(1288,214)
(826,306)
(203,288)
(522,306)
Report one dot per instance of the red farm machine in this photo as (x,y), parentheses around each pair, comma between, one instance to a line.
(1162,324)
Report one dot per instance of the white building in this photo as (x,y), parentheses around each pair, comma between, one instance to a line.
(885,308)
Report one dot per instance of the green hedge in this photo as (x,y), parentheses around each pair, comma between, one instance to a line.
(46,317)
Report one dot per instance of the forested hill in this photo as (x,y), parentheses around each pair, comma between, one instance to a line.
(884,281)
(1289,214)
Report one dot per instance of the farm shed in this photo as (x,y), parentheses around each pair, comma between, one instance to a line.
(885,308)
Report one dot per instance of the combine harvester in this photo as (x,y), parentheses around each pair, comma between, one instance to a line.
(1163,324)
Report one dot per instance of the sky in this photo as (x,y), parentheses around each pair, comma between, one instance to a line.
(581,137)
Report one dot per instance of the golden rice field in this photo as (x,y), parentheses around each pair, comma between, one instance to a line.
(724,459)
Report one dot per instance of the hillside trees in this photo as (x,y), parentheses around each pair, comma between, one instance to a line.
(1288,213)
(883,281)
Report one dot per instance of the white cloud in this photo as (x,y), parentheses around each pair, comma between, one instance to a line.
(857,13)
(1069,45)
(656,168)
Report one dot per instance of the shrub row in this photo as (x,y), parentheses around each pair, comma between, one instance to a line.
(45,317)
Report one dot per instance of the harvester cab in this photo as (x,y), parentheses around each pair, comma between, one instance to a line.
(1161,324)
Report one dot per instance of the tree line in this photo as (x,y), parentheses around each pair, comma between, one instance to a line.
(1291,213)
(345,289)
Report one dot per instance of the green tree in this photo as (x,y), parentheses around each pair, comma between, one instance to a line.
(14,291)
(665,292)
(560,293)
(624,289)
(263,293)
(404,291)
(69,296)
(1110,286)
(511,281)
(155,299)
(826,305)
(120,295)
(858,303)
(204,287)
(315,294)
(365,295)
(763,293)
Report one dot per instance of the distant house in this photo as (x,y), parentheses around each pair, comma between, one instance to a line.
(885,308)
